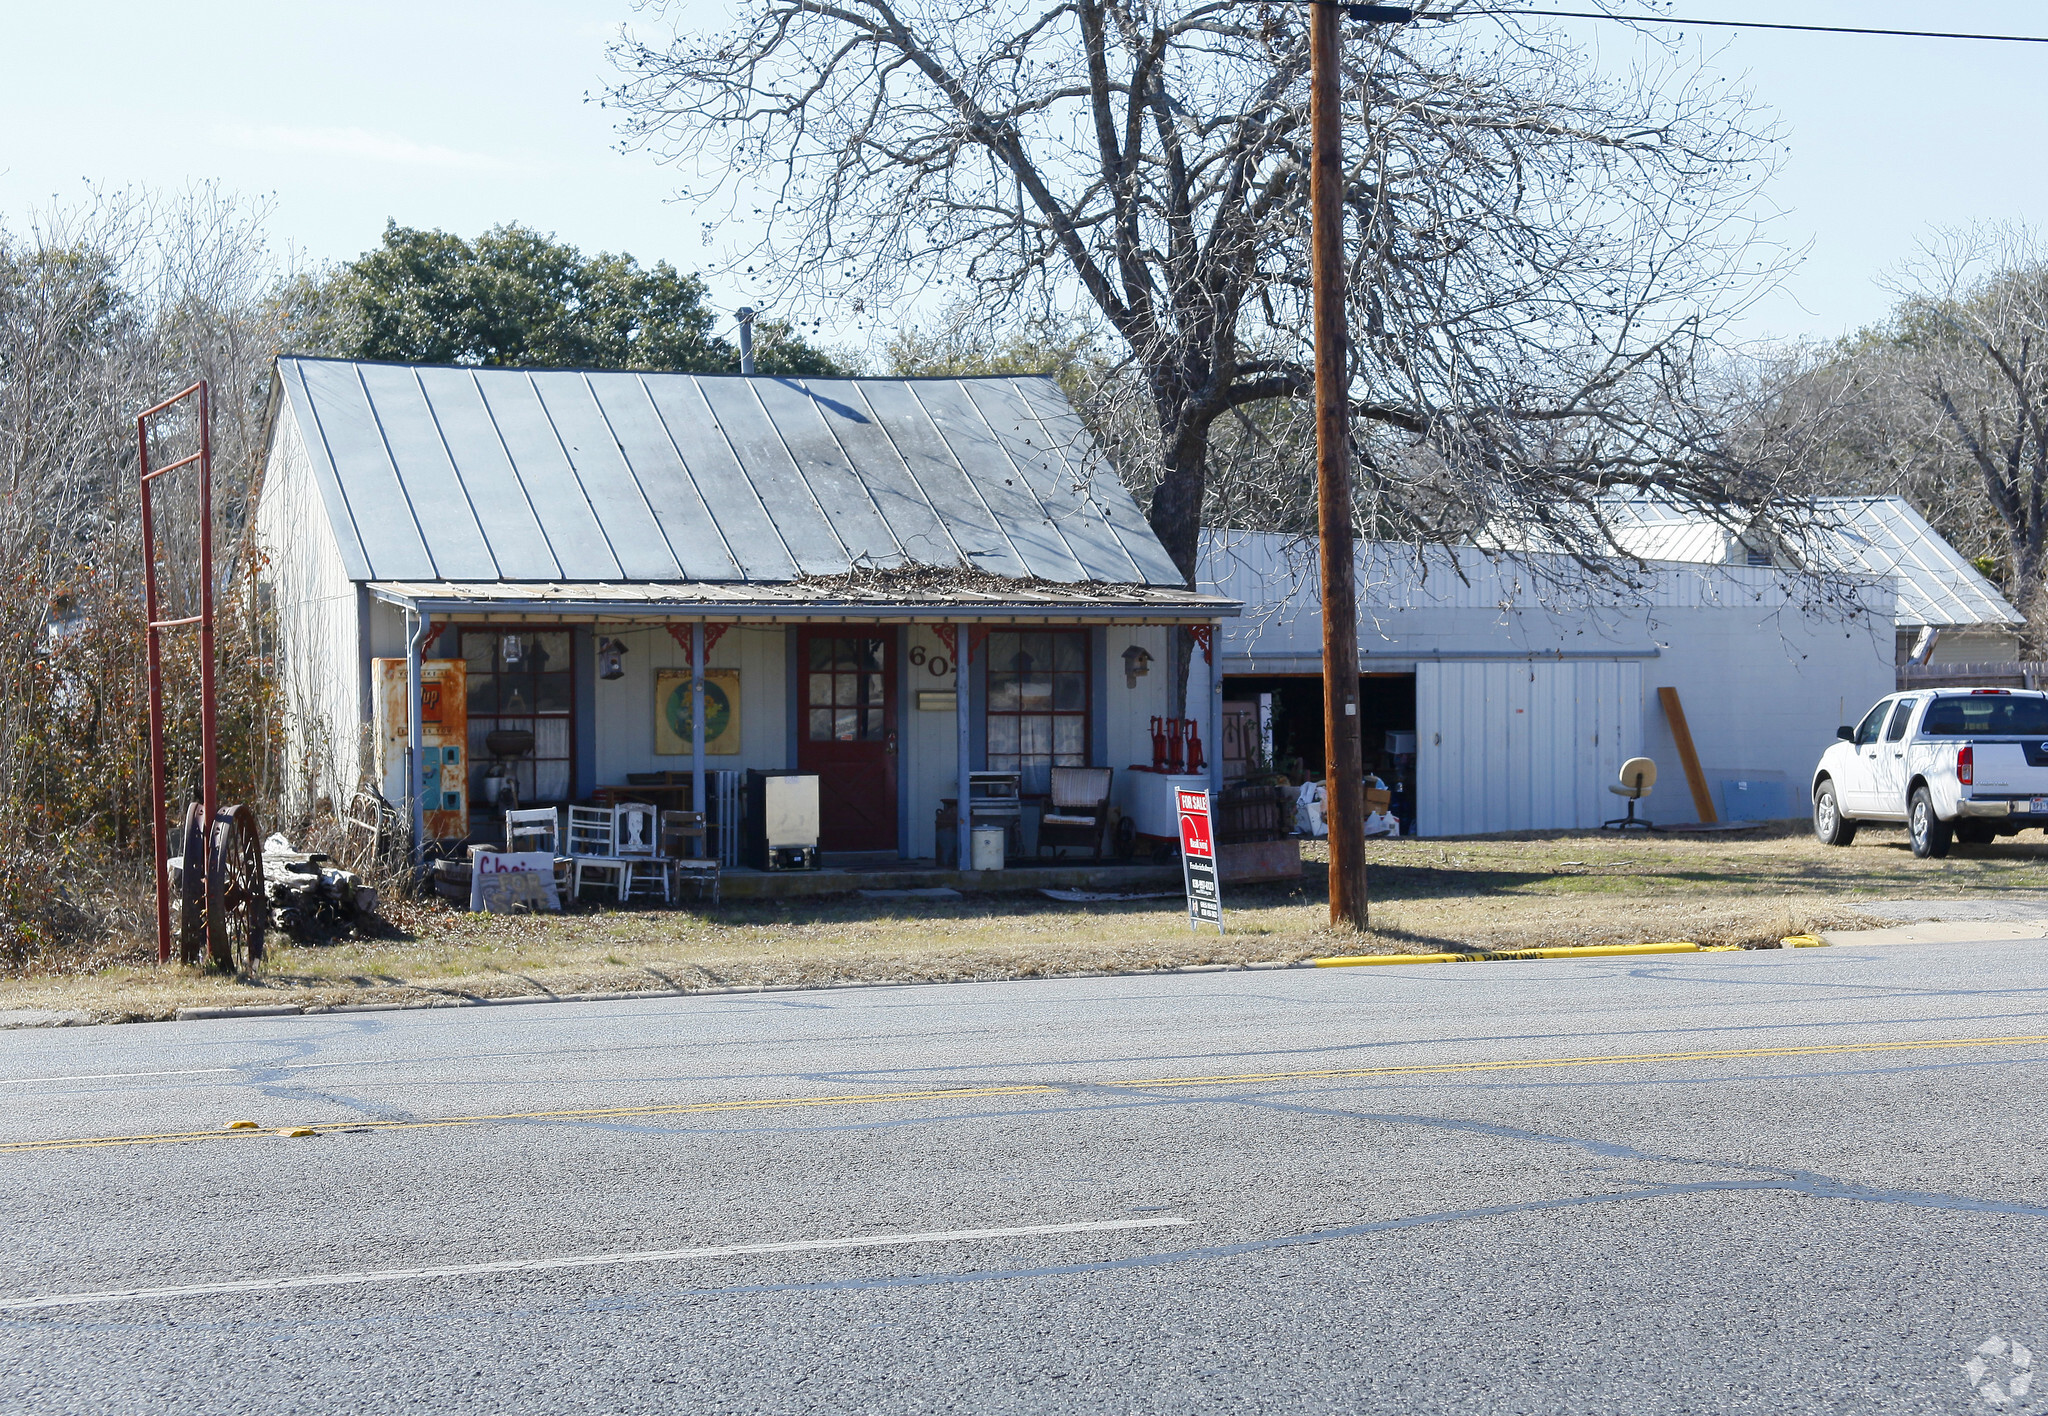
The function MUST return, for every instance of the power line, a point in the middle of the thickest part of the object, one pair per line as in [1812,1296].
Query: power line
[1755,24]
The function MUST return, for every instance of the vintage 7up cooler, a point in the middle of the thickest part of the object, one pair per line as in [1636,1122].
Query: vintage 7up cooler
[1198,859]
[444,742]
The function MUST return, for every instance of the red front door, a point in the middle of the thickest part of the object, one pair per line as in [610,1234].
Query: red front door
[847,733]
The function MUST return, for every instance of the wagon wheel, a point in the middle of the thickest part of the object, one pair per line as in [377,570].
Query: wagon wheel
[237,901]
[189,904]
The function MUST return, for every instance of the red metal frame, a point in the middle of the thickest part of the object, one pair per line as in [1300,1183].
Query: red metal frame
[209,783]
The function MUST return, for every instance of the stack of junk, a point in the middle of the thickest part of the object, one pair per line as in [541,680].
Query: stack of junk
[311,899]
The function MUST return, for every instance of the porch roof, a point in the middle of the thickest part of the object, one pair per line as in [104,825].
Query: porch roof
[794,602]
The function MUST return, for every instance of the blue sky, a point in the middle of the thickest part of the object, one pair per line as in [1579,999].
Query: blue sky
[462,114]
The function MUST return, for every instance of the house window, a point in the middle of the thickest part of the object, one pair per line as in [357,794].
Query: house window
[1037,703]
[522,681]
[847,698]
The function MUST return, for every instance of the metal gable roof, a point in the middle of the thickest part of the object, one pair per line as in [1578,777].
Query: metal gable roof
[1881,536]
[433,473]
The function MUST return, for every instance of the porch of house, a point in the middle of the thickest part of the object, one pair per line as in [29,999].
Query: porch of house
[616,698]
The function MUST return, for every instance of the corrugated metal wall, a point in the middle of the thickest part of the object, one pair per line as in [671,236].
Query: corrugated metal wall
[1520,745]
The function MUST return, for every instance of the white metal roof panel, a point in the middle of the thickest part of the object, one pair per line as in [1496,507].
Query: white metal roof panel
[504,515]
[1099,484]
[1861,535]
[343,425]
[430,472]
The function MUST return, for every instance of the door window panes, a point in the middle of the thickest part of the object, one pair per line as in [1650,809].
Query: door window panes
[844,697]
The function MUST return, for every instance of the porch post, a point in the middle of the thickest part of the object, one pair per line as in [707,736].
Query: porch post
[697,730]
[1216,705]
[963,827]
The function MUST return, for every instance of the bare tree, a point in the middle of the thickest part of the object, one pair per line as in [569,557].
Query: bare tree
[104,310]
[1945,404]
[1541,255]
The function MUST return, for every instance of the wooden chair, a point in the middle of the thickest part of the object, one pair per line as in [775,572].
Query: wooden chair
[1077,814]
[593,847]
[680,832]
[636,841]
[535,829]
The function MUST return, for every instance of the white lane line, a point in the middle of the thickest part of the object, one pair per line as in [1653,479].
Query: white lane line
[650,1256]
[111,1076]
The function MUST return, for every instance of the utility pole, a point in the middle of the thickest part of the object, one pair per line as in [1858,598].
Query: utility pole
[1345,807]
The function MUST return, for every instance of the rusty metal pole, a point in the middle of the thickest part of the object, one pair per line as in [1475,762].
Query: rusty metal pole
[1345,807]
[209,717]
[159,848]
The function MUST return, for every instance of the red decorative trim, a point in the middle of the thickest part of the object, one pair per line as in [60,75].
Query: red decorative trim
[433,633]
[712,634]
[977,635]
[1205,635]
[949,635]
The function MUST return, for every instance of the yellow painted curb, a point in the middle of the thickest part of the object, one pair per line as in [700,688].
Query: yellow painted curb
[1804,941]
[1586,951]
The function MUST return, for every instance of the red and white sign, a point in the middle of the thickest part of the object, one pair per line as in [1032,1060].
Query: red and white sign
[1198,859]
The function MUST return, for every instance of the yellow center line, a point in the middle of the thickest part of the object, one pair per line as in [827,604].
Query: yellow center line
[605,1113]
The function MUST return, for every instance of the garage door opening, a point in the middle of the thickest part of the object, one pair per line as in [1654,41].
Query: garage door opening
[1288,709]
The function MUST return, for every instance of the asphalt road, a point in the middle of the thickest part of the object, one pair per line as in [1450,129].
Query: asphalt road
[1706,1183]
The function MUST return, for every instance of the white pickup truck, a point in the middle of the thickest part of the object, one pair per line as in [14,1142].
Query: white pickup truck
[1966,764]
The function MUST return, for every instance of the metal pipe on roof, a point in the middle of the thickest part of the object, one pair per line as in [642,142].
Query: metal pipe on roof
[747,340]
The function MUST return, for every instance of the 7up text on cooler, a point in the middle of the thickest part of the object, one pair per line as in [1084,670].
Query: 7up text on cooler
[1198,860]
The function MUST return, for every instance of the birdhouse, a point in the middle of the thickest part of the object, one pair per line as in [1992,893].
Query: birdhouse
[1137,663]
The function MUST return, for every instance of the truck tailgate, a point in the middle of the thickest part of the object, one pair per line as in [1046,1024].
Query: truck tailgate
[2013,768]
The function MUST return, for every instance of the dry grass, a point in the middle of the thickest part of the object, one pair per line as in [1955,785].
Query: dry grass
[1428,896]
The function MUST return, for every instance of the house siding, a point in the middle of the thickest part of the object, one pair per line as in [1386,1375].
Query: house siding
[318,614]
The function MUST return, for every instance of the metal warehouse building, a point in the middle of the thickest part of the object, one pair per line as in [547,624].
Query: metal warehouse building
[1523,704]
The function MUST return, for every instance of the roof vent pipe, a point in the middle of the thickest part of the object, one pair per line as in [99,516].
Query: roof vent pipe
[747,340]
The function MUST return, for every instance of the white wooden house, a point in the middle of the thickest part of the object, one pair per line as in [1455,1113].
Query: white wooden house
[827,551]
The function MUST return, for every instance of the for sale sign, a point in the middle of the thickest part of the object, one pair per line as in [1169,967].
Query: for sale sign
[1198,860]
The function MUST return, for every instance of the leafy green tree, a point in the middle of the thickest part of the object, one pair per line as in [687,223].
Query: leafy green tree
[515,296]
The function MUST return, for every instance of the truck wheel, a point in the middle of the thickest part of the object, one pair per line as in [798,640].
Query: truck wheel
[1931,835]
[1976,834]
[1833,828]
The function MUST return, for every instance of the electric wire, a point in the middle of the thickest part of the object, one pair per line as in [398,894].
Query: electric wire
[1748,24]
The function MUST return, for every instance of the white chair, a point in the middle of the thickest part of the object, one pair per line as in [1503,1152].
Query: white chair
[1638,775]
[590,831]
[592,845]
[536,829]
[636,844]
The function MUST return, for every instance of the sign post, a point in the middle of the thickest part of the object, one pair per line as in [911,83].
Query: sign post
[1198,859]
